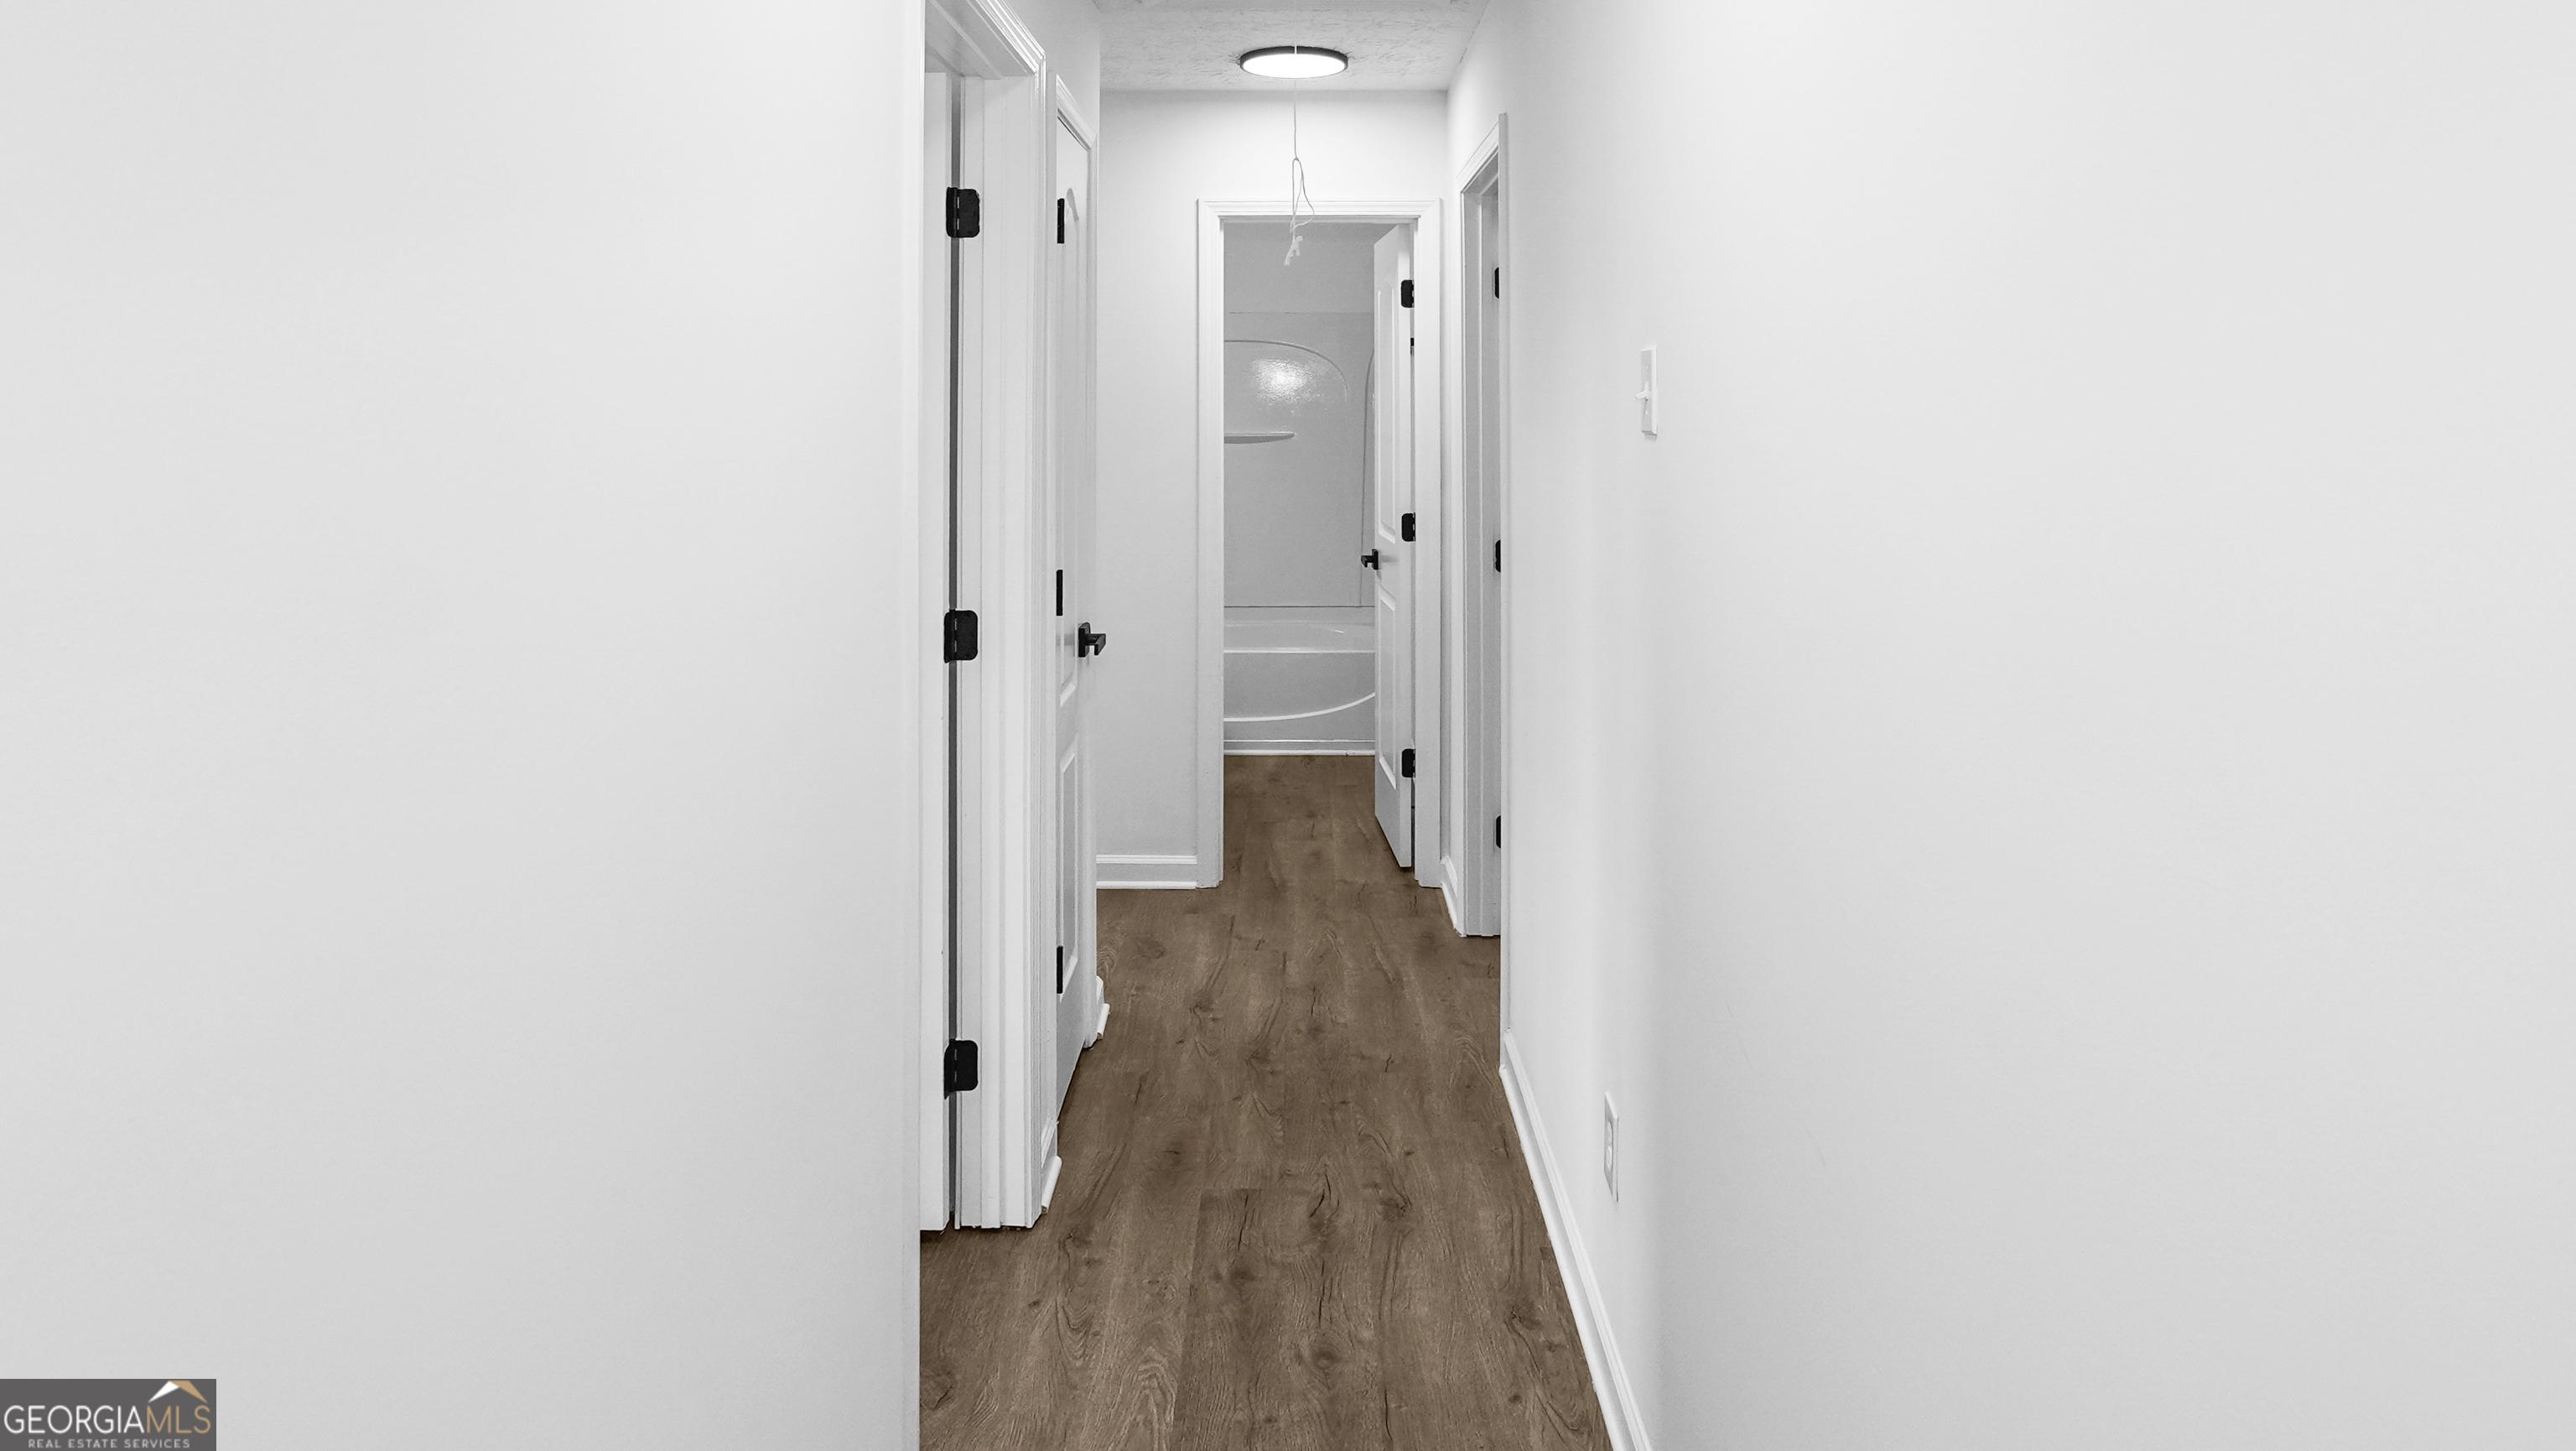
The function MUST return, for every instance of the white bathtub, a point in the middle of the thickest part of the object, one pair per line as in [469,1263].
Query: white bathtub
[1300,682]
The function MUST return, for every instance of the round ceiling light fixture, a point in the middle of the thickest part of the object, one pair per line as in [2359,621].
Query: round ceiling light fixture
[1294,62]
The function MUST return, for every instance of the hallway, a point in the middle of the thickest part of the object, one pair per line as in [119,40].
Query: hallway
[1293,1211]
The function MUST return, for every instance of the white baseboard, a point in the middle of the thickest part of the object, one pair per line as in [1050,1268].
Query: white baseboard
[1299,748]
[1452,896]
[1132,873]
[1591,1318]
[1101,1027]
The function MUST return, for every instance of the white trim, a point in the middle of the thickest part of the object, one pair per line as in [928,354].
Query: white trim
[1207,755]
[1430,443]
[1100,1029]
[1618,1401]
[1478,769]
[1295,748]
[925,518]
[1450,894]
[1070,112]
[1047,1180]
[981,38]
[1135,873]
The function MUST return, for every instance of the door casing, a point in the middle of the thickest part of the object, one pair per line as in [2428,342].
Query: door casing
[1476,620]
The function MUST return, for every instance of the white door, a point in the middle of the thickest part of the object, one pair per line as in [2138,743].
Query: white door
[1078,637]
[1390,554]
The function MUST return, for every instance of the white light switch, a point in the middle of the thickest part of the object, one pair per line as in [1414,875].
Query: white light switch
[1646,392]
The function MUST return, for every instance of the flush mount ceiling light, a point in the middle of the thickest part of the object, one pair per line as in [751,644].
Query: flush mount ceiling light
[1294,62]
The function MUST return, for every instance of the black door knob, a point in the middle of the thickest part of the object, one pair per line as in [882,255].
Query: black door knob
[1087,641]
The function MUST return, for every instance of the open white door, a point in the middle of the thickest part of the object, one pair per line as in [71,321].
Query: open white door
[1390,552]
[1078,1000]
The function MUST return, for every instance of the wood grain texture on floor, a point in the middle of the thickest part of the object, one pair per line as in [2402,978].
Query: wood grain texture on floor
[1293,1212]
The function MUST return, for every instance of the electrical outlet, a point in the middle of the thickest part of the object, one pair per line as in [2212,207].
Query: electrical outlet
[1610,1144]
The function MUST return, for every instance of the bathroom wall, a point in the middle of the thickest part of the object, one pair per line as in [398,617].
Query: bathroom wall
[1335,270]
[1299,337]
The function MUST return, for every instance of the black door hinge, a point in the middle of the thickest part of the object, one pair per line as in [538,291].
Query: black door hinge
[1059,969]
[1059,227]
[1498,282]
[958,636]
[1498,831]
[957,1067]
[1404,293]
[1408,763]
[965,212]
[1498,556]
[1059,594]
[1405,528]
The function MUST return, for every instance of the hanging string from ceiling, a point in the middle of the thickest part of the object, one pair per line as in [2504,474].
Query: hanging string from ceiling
[1296,176]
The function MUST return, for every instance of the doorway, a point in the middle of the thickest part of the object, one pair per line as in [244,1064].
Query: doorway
[1011,994]
[1302,366]
[1320,588]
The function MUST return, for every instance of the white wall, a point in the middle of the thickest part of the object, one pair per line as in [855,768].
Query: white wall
[1297,509]
[2071,884]
[1335,270]
[452,892]
[1069,32]
[1162,153]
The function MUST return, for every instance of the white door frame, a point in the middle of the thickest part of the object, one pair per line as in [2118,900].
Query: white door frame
[926,517]
[1425,219]
[999,1136]
[1478,622]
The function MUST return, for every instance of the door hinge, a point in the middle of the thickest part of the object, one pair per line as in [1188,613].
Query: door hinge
[1059,230]
[1408,345]
[1498,556]
[1408,763]
[957,1066]
[958,636]
[1059,594]
[1404,293]
[965,212]
[1405,528]
[1498,831]
[1059,969]
[1498,282]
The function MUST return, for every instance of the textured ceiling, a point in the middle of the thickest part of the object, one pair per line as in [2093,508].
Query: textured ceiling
[1191,45]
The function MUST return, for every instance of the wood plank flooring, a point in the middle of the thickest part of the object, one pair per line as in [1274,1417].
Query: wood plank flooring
[1293,1212]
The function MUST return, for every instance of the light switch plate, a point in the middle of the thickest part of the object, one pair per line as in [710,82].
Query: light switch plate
[1610,1144]
[1646,392]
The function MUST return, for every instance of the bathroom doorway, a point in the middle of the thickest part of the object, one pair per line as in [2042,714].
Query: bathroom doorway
[1301,369]
[1319,487]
